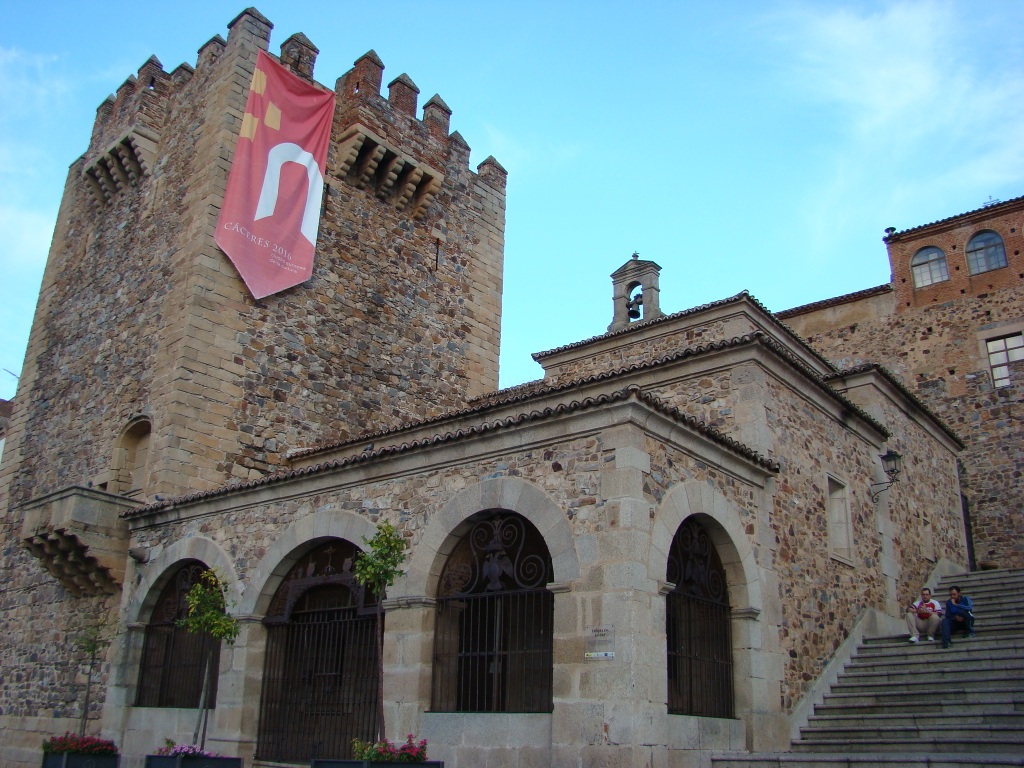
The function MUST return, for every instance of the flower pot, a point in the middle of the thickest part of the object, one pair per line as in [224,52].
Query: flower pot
[367,764]
[191,761]
[78,760]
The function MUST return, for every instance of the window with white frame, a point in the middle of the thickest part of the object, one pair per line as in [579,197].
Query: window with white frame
[840,524]
[985,252]
[929,266]
[1002,352]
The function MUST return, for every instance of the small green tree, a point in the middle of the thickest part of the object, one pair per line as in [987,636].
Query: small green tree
[376,569]
[206,613]
[91,640]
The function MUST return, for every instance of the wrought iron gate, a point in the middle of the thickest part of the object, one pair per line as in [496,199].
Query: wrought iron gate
[494,621]
[698,627]
[174,659]
[320,683]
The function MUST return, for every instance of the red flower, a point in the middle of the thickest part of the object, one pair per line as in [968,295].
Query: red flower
[83,745]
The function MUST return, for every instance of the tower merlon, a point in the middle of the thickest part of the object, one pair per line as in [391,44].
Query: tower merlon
[210,51]
[250,22]
[493,172]
[365,77]
[403,93]
[299,54]
[437,115]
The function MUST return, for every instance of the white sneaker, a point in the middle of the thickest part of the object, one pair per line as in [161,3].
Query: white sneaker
[913,638]
[931,638]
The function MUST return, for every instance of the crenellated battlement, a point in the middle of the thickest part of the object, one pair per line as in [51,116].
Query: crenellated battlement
[393,119]
[379,144]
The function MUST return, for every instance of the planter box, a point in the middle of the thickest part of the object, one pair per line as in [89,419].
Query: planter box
[368,764]
[191,761]
[78,760]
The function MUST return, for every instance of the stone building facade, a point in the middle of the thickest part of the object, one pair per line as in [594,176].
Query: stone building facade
[949,327]
[664,547]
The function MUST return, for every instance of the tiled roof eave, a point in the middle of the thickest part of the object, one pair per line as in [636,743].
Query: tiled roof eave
[988,210]
[514,421]
[835,301]
[897,384]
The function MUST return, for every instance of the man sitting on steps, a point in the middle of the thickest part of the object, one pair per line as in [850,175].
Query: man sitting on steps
[924,616]
[959,615]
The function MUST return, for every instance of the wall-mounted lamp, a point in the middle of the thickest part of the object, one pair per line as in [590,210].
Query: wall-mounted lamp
[892,464]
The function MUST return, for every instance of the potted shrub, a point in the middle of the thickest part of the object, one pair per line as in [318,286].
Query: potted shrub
[376,569]
[173,755]
[383,753]
[74,751]
[207,613]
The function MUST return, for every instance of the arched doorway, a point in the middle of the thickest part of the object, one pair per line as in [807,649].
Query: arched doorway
[698,627]
[494,622]
[174,659]
[319,686]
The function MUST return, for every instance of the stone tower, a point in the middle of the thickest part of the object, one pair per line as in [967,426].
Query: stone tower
[150,369]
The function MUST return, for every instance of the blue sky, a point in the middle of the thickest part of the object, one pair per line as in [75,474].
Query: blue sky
[741,145]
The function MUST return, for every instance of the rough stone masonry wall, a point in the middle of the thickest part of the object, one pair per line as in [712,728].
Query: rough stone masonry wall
[143,314]
[934,352]
[643,350]
[140,313]
[822,597]
[574,474]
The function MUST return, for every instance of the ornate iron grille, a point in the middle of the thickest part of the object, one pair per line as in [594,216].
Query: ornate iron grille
[493,626]
[319,675]
[173,660]
[698,627]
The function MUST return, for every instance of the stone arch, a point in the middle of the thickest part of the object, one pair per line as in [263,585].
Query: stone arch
[161,568]
[129,467]
[446,527]
[722,522]
[293,543]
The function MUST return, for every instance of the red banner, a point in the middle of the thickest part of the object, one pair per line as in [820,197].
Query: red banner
[271,213]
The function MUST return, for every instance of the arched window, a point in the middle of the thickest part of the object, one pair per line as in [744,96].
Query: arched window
[173,659]
[698,627]
[493,630]
[319,672]
[131,459]
[929,266]
[985,252]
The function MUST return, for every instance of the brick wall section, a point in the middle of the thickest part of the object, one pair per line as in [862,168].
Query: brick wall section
[952,237]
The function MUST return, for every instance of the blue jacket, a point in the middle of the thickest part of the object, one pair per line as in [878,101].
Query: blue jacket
[964,608]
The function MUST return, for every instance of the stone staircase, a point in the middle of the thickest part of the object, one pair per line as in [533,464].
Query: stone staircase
[897,704]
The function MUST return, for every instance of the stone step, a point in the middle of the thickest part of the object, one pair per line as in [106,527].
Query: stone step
[922,685]
[992,741]
[864,760]
[1010,626]
[900,645]
[882,730]
[977,651]
[966,719]
[902,696]
[970,673]
[980,701]
[1001,576]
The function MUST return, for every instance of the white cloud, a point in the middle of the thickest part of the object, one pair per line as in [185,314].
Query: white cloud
[26,236]
[918,102]
[29,83]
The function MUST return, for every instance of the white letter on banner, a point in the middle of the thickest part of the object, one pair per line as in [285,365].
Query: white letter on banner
[277,157]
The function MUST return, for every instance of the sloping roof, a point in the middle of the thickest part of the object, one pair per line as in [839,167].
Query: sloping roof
[891,378]
[742,295]
[509,422]
[846,298]
[988,209]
